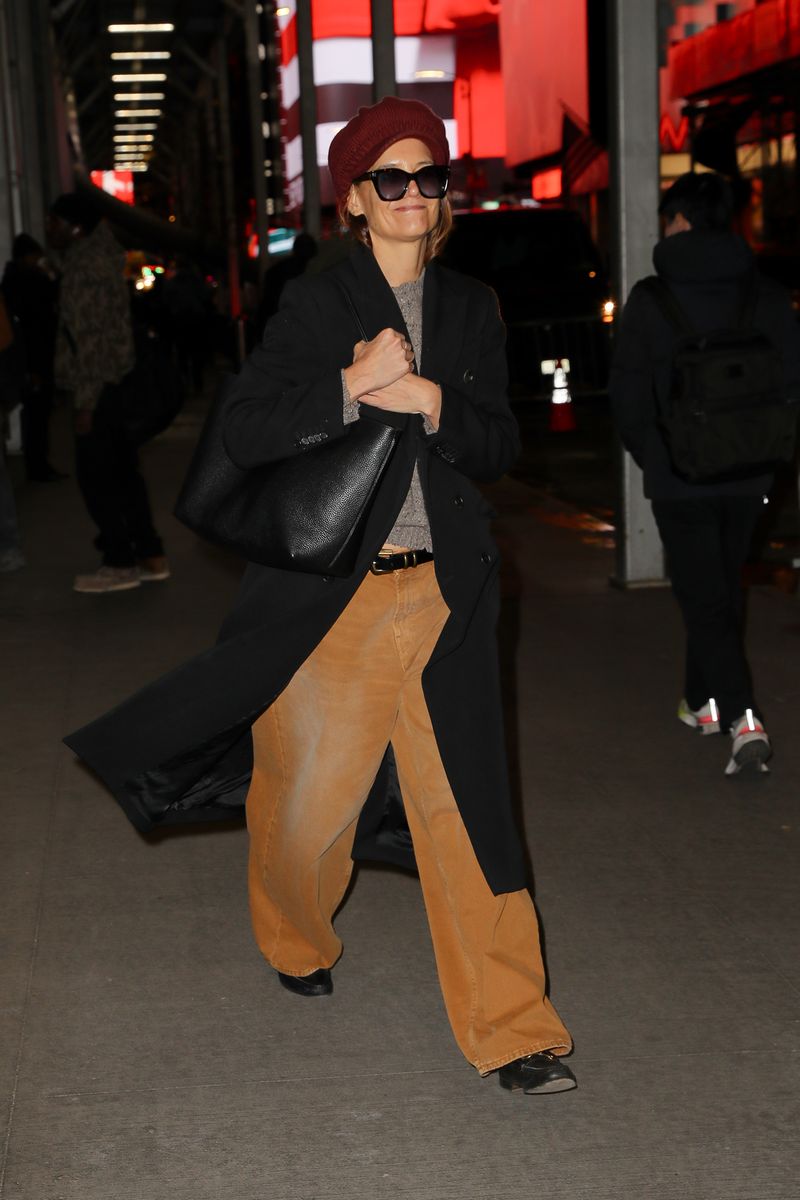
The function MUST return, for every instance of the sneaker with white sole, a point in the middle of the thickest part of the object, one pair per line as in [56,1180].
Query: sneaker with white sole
[154,570]
[751,745]
[705,720]
[108,579]
[11,560]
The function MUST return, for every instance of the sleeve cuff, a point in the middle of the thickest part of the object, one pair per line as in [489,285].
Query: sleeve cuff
[349,406]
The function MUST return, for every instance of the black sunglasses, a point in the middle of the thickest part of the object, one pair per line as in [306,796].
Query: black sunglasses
[391,183]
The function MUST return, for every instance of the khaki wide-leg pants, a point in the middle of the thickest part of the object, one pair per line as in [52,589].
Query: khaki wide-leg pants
[317,751]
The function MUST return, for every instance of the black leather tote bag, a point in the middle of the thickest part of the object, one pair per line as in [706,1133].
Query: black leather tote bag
[304,513]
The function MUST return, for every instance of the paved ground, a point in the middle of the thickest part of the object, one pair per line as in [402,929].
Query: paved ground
[147,1053]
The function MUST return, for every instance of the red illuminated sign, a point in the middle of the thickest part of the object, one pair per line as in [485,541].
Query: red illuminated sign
[673,139]
[547,184]
[117,183]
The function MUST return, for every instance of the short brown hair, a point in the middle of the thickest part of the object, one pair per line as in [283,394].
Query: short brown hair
[357,227]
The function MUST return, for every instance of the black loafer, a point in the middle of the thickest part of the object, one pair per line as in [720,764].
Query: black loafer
[536,1073]
[318,983]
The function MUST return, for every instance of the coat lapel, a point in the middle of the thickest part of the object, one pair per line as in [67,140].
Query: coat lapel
[444,310]
[371,294]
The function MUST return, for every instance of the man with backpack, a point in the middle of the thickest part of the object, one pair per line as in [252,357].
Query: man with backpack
[704,385]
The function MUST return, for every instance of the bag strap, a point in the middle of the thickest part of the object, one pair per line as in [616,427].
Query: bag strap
[749,300]
[668,304]
[353,310]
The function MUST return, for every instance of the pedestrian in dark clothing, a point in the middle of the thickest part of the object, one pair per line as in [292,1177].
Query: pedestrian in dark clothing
[706,528]
[94,353]
[187,303]
[304,249]
[11,556]
[31,295]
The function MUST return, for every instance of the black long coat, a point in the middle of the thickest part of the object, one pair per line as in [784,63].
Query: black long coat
[180,748]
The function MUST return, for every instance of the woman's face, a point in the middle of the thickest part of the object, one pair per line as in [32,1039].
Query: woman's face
[407,220]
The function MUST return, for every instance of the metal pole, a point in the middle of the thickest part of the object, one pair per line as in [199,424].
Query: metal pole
[633,152]
[312,219]
[384,80]
[229,203]
[254,47]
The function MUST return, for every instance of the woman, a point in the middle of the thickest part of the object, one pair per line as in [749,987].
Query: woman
[329,672]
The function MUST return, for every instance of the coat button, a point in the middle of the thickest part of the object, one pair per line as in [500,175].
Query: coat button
[486,557]
[458,501]
[468,376]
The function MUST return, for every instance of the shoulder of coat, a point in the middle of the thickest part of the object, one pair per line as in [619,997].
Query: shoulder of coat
[464,285]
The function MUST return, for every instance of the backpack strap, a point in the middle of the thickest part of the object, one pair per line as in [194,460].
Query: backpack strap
[748,300]
[667,303]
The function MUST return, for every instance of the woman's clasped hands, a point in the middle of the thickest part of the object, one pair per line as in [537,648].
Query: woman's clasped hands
[382,375]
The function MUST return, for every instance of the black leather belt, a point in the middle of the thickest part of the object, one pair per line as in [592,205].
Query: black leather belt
[386,563]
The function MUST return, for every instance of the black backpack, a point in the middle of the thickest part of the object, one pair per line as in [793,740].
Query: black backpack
[727,415]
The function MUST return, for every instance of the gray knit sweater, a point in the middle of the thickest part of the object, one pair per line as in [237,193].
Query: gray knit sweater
[412,528]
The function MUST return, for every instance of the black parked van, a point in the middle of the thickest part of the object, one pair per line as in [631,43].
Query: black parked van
[552,288]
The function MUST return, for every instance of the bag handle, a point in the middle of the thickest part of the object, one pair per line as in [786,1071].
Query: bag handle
[354,311]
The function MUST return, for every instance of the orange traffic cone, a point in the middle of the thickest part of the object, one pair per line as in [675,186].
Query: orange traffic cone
[562,417]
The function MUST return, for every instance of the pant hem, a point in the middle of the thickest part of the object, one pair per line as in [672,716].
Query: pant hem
[302,973]
[560,1049]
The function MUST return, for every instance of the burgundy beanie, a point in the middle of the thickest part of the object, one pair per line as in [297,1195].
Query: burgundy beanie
[374,129]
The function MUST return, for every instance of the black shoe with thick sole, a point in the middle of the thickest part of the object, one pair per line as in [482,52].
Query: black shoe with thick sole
[318,983]
[537,1073]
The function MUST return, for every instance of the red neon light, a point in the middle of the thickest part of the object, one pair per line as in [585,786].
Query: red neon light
[117,183]
[547,184]
[478,98]
[671,138]
[351,18]
[289,42]
[543,48]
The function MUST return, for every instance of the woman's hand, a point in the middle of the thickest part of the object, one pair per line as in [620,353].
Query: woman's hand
[411,394]
[376,364]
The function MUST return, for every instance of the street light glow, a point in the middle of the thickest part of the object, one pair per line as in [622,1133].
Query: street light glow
[143,27]
[131,55]
[137,78]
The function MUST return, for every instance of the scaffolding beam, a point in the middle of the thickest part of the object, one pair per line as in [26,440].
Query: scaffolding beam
[384,79]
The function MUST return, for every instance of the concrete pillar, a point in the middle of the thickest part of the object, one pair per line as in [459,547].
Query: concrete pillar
[634,152]
[29,106]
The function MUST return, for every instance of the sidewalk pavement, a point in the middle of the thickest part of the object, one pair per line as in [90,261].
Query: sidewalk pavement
[147,1053]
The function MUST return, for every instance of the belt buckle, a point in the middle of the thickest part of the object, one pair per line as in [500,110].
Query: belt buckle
[376,569]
